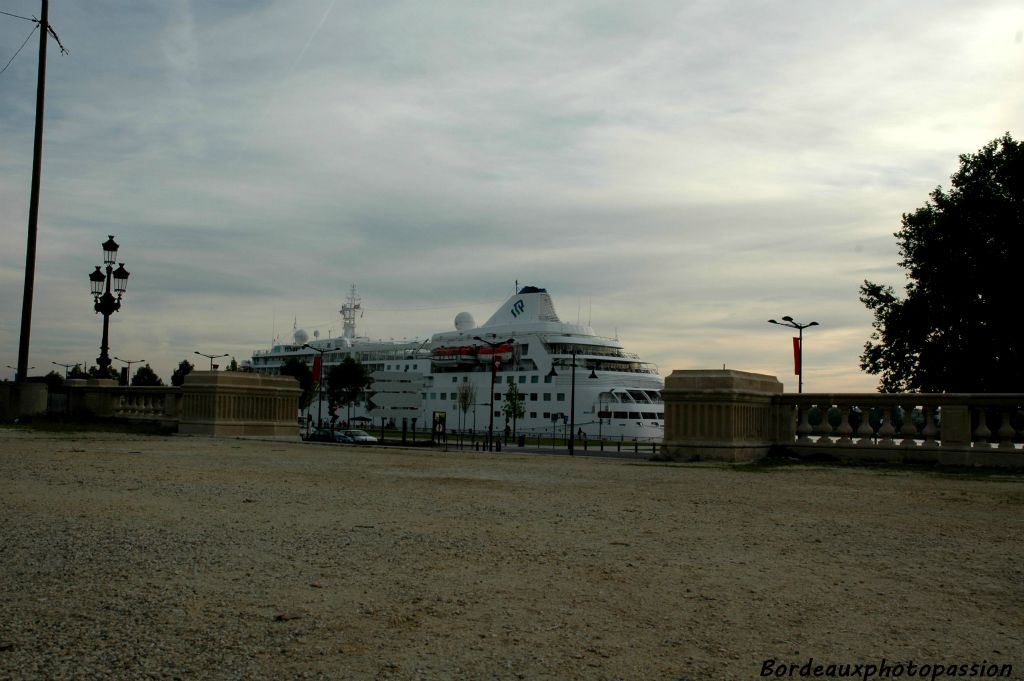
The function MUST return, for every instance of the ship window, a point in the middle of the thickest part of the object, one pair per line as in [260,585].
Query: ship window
[433,396]
[634,415]
[547,379]
[534,379]
[533,414]
[604,414]
[547,414]
[621,415]
[522,379]
[497,397]
[444,396]
[533,397]
[650,415]
[511,380]
[524,349]
[547,397]
[455,379]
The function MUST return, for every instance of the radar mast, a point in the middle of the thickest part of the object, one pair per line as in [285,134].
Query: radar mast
[348,313]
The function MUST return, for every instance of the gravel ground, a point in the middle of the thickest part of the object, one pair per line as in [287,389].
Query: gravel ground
[134,557]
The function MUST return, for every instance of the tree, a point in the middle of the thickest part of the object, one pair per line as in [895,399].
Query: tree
[111,373]
[347,380]
[233,366]
[513,406]
[145,376]
[301,372]
[53,380]
[466,398]
[954,330]
[184,369]
[77,372]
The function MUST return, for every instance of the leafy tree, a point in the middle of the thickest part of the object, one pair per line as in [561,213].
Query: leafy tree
[233,366]
[53,380]
[145,376]
[77,372]
[466,398]
[299,370]
[345,381]
[184,369]
[513,407]
[954,331]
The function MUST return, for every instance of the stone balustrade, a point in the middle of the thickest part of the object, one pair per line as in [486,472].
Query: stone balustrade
[225,403]
[945,428]
[738,416]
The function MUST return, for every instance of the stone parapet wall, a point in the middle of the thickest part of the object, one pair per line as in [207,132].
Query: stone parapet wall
[722,415]
[239,404]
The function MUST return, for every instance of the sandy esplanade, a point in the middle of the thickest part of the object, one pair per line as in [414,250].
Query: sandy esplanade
[177,557]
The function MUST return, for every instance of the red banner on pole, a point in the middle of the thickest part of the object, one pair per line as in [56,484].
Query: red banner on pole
[316,369]
[796,356]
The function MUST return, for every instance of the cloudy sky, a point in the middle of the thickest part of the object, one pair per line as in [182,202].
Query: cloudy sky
[675,173]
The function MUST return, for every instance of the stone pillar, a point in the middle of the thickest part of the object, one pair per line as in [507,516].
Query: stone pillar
[236,404]
[22,399]
[725,415]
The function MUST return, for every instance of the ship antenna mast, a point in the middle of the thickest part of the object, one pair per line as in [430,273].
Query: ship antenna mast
[348,313]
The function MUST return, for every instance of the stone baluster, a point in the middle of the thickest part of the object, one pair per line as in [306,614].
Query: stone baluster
[930,431]
[845,429]
[804,430]
[908,431]
[824,428]
[981,433]
[865,431]
[886,430]
[1006,431]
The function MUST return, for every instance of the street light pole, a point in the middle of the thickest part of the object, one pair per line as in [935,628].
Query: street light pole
[209,357]
[494,371]
[320,389]
[104,301]
[788,321]
[66,368]
[130,362]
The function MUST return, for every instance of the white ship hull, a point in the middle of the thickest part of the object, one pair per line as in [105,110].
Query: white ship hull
[608,394]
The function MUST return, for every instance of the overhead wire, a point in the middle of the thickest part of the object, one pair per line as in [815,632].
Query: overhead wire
[30,33]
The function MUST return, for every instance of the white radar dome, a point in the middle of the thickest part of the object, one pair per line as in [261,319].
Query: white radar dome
[464,322]
[301,337]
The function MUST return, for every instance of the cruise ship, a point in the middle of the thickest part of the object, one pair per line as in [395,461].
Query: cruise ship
[559,374]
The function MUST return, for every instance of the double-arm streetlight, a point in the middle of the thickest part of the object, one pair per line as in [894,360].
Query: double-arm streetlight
[494,371]
[209,357]
[67,367]
[572,400]
[18,378]
[788,321]
[130,362]
[104,301]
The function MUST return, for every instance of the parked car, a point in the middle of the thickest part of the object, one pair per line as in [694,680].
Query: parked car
[359,436]
[326,435]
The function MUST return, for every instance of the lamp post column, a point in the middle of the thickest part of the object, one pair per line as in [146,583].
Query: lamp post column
[572,407]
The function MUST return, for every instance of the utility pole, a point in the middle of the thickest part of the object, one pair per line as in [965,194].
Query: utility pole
[33,208]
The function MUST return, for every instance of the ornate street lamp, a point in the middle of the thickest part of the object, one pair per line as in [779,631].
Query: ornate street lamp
[104,301]
[788,321]
[494,370]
